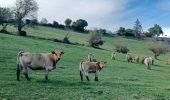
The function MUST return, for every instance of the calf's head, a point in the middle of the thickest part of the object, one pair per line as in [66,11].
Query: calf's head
[101,64]
[57,54]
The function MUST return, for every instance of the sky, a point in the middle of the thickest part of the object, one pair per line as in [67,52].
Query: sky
[108,14]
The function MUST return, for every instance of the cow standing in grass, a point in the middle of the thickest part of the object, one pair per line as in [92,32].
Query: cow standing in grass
[129,57]
[148,62]
[90,67]
[91,57]
[113,56]
[37,61]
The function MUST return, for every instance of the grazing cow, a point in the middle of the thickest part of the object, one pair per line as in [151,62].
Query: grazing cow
[136,58]
[129,57]
[153,60]
[37,61]
[113,55]
[148,62]
[141,59]
[91,57]
[168,61]
[90,67]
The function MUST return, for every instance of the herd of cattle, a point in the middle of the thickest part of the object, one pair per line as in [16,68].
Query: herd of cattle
[47,62]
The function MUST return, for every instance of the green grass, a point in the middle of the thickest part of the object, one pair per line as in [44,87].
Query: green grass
[118,80]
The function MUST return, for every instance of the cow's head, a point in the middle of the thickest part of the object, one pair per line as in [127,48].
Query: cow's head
[101,64]
[57,54]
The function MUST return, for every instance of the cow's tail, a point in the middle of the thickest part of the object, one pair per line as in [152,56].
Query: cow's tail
[18,69]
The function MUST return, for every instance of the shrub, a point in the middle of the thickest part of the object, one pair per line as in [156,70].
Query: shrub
[23,33]
[158,49]
[121,48]
[66,39]
[95,39]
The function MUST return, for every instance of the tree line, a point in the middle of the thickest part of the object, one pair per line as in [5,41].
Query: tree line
[138,32]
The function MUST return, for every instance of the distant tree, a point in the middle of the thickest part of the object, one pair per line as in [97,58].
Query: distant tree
[5,16]
[155,31]
[121,31]
[158,49]
[137,28]
[129,32]
[55,24]
[24,8]
[68,22]
[43,21]
[95,39]
[79,25]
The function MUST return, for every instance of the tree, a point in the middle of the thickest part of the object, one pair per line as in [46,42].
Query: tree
[155,31]
[43,21]
[67,22]
[95,39]
[55,24]
[79,25]
[158,49]
[24,8]
[5,16]
[129,32]
[137,28]
[121,31]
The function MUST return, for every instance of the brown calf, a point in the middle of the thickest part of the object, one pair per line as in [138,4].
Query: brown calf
[90,67]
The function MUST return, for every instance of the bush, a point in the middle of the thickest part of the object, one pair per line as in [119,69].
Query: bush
[66,39]
[121,48]
[158,49]
[94,39]
[23,33]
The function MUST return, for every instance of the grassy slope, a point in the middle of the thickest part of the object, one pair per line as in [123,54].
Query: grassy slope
[118,80]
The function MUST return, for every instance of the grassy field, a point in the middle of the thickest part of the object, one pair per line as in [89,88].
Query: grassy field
[118,80]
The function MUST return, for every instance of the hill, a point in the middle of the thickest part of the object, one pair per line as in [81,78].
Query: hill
[118,80]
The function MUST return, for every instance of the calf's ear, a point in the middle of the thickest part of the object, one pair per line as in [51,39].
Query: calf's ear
[52,52]
[62,52]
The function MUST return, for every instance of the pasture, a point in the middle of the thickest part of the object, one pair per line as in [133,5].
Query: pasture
[118,80]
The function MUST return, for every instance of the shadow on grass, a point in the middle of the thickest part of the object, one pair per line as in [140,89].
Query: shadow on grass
[89,85]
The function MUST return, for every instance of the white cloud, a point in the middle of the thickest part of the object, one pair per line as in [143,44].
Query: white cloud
[166,31]
[98,13]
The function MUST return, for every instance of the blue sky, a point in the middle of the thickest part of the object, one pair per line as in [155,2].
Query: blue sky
[109,14]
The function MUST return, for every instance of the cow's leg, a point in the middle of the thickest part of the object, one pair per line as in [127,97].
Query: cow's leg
[81,75]
[86,74]
[96,76]
[25,69]
[18,72]
[46,74]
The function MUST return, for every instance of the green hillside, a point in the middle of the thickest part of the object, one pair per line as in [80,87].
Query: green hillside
[118,80]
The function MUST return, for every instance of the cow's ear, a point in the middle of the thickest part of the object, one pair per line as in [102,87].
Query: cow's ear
[62,52]
[52,52]
[98,63]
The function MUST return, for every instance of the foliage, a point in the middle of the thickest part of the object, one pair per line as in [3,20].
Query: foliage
[5,16]
[68,22]
[158,49]
[24,8]
[43,21]
[129,32]
[66,39]
[155,31]
[55,24]
[137,28]
[95,39]
[121,31]
[79,25]
[121,48]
